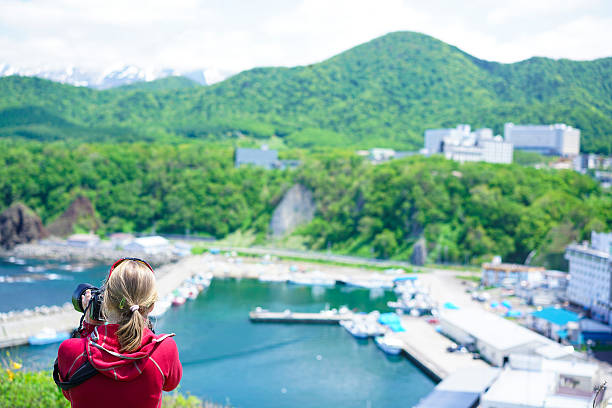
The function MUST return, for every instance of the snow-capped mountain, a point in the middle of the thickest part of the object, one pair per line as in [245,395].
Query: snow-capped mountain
[109,78]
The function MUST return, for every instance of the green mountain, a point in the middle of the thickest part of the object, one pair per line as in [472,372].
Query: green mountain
[162,84]
[382,93]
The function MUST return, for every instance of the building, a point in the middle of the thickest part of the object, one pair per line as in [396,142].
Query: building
[556,323]
[591,161]
[120,239]
[265,158]
[590,269]
[150,245]
[497,338]
[83,240]
[550,384]
[461,389]
[463,145]
[557,139]
[504,274]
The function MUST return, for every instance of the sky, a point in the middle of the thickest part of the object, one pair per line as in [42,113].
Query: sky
[228,36]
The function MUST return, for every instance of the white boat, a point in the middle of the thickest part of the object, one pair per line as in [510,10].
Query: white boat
[202,280]
[178,301]
[357,330]
[188,291]
[312,279]
[389,344]
[48,336]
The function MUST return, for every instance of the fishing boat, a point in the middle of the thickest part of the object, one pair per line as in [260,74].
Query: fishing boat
[48,336]
[389,344]
[188,291]
[178,301]
[357,330]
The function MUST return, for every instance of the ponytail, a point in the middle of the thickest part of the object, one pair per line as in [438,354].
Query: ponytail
[130,331]
[130,292]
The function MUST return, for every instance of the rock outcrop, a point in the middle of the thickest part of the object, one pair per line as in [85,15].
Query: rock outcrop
[80,215]
[296,208]
[20,225]
[419,253]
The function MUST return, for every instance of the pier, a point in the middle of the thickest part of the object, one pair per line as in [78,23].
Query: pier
[289,317]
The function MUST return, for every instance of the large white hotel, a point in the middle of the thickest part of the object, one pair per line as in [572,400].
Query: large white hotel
[558,139]
[463,145]
[590,269]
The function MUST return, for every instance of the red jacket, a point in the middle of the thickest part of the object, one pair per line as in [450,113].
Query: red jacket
[135,379]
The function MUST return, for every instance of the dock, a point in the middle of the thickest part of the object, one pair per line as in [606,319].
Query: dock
[290,317]
[427,349]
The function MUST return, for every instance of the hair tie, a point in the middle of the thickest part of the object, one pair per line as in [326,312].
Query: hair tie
[134,308]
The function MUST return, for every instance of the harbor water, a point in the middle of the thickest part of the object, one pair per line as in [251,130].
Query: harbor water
[228,359]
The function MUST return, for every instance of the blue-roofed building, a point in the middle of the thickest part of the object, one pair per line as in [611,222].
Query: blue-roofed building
[557,324]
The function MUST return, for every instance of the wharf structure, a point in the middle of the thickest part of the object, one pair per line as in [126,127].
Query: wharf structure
[463,145]
[558,139]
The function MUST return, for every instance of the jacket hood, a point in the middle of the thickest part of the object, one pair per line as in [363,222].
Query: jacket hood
[104,352]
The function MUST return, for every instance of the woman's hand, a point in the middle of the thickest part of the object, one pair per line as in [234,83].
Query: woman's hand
[85,299]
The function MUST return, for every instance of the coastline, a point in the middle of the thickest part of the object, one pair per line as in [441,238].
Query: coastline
[98,254]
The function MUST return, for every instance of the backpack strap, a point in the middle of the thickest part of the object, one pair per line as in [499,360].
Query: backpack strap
[82,374]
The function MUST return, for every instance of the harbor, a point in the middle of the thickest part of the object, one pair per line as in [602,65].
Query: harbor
[435,324]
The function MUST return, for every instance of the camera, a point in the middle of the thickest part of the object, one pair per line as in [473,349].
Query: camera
[95,304]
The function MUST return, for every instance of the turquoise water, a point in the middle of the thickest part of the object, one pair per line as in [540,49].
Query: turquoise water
[228,359]
[47,284]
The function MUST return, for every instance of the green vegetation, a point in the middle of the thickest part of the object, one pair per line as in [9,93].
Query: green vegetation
[29,389]
[466,212]
[382,93]
[20,388]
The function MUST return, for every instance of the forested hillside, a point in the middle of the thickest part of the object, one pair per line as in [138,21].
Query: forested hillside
[382,93]
[466,212]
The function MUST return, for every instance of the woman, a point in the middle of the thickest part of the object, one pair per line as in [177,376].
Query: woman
[132,364]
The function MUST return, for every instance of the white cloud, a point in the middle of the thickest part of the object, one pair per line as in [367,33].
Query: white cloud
[231,35]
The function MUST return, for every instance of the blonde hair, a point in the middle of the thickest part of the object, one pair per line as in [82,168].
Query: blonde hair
[131,283]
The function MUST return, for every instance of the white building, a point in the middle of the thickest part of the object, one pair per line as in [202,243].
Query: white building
[463,145]
[497,338]
[539,389]
[557,139]
[590,269]
[83,240]
[150,245]
[504,274]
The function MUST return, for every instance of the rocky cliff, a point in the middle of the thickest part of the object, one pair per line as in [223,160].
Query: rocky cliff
[19,225]
[297,207]
[80,215]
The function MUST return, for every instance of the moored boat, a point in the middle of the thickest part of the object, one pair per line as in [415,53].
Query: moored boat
[389,344]
[178,301]
[357,330]
[48,336]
